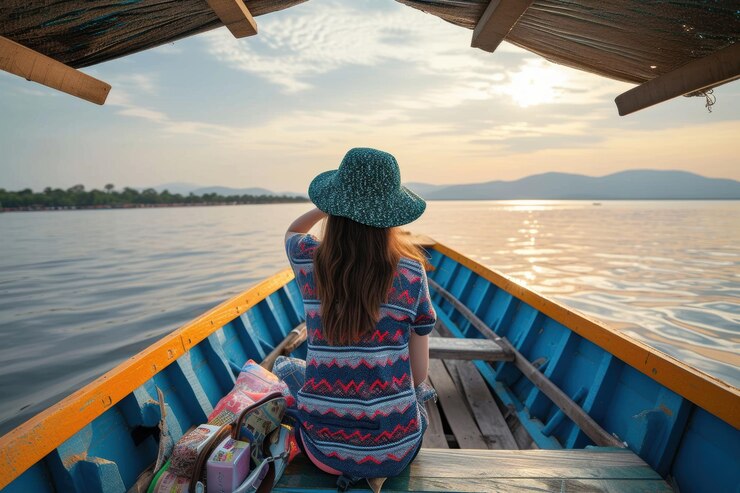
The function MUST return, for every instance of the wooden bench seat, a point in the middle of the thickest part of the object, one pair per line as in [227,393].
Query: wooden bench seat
[467,349]
[433,470]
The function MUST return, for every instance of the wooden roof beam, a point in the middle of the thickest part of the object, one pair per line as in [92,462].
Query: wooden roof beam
[701,74]
[235,16]
[497,21]
[32,65]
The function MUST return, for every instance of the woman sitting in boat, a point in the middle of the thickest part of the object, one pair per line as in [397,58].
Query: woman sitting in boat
[368,317]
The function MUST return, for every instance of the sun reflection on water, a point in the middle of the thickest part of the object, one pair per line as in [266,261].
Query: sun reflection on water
[529,205]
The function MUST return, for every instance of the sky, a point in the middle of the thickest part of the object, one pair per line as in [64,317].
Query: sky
[274,110]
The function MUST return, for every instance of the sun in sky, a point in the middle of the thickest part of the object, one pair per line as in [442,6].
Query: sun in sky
[534,83]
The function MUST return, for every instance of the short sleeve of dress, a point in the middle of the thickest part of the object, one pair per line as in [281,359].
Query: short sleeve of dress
[426,317]
[300,248]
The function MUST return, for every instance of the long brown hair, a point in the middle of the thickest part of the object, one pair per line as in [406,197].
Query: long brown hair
[353,268]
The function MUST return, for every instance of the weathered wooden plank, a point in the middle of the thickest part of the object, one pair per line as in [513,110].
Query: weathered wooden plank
[718,68]
[585,422]
[497,21]
[564,464]
[528,485]
[583,470]
[513,419]
[481,403]
[33,66]
[434,436]
[327,484]
[235,16]
[524,440]
[467,349]
[461,422]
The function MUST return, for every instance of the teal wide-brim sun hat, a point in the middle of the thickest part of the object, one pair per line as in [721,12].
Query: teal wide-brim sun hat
[367,189]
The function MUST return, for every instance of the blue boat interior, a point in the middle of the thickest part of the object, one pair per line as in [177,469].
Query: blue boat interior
[683,443]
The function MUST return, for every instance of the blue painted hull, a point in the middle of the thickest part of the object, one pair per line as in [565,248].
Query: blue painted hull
[684,443]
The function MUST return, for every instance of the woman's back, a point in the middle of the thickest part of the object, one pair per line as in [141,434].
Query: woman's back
[358,406]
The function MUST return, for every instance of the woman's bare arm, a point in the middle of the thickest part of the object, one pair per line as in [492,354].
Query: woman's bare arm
[305,222]
[419,354]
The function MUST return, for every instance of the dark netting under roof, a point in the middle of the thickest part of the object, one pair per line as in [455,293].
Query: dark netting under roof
[85,32]
[621,39]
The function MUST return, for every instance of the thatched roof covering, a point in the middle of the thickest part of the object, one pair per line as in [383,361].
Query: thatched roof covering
[80,33]
[674,47]
[621,39]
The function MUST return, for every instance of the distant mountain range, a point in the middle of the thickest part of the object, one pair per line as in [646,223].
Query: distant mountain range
[639,184]
[625,185]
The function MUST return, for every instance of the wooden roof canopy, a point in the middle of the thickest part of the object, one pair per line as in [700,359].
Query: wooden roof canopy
[669,47]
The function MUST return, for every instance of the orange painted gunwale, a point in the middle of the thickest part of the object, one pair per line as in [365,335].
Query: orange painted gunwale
[30,442]
[707,392]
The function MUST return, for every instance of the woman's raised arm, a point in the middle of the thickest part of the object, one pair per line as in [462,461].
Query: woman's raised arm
[305,222]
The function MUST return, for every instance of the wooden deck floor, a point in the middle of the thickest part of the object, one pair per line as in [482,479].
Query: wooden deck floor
[586,470]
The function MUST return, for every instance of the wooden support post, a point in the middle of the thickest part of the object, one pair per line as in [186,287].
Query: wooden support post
[497,21]
[704,73]
[585,422]
[33,66]
[235,16]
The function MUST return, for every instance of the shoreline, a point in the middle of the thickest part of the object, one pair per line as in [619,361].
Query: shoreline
[141,206]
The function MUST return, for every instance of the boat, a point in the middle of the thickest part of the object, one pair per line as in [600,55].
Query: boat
[586,407]
[557,401]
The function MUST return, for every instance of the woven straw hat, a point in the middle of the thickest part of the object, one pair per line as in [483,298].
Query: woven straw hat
[366,188]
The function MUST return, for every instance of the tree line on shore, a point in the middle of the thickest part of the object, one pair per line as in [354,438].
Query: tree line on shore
[77,197]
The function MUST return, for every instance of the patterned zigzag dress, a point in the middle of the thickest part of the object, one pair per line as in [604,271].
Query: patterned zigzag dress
[358,407]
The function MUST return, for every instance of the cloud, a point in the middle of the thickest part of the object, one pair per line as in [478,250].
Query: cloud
[146,114]
[125,87]
[293,49]
[130,89]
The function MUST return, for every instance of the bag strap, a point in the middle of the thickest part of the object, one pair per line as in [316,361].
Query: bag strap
[269,482]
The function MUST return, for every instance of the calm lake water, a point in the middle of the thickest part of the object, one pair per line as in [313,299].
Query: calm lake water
[81,291]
